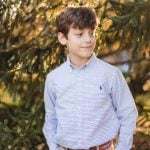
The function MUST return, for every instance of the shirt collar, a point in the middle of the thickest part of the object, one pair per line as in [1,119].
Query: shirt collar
[86,65]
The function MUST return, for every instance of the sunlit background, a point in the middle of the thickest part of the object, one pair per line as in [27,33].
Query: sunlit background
[29,50]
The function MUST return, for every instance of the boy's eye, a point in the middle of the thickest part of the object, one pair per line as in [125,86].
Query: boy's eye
[79,34]
[92,33]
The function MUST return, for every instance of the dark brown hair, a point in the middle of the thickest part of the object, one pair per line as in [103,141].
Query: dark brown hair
[75,17]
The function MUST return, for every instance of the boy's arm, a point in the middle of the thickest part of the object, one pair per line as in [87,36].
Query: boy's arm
[126,111]
[50,124]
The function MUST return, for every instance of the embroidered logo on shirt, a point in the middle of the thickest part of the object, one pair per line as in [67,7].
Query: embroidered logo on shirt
[102,89]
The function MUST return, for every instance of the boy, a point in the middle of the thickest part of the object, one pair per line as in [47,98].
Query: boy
[87,101]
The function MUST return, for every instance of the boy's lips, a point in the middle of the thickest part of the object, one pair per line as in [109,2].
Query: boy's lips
[87,46]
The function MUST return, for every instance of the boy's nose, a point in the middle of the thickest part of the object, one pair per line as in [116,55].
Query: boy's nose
[87,38]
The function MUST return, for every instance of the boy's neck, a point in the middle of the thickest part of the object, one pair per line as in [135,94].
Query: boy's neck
[78,62]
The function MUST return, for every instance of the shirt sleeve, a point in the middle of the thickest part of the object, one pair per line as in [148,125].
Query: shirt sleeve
[50,123]
[126,111]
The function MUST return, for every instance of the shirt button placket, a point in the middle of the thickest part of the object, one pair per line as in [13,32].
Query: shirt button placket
[80,106]
[83,104]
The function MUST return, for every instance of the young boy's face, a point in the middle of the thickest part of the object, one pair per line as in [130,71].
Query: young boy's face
[80,43]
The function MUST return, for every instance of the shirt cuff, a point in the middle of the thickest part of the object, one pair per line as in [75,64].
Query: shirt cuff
[53,146]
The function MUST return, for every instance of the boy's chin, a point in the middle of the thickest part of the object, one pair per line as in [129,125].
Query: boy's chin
[85,57]
[87,54]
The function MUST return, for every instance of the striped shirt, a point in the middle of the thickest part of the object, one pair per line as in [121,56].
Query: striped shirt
[88,106]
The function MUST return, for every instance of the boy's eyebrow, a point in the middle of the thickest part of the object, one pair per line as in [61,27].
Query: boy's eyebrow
[77,29]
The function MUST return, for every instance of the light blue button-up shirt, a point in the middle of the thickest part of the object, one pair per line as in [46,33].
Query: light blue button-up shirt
[88,106]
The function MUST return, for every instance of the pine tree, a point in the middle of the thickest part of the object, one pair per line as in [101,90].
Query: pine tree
[29,50]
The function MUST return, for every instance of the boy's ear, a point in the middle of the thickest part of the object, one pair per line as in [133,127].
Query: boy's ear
[61,38]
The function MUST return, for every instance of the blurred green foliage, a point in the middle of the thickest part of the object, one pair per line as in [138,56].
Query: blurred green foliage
[20,129]
[29,50]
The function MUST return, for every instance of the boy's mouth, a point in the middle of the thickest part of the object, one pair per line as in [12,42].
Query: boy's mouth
[87,46]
